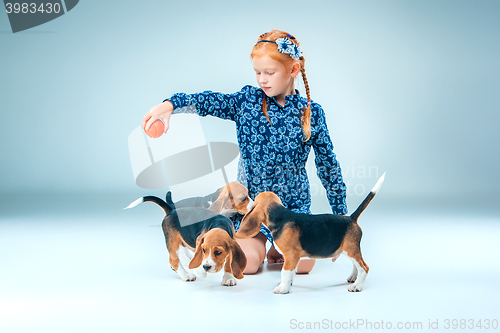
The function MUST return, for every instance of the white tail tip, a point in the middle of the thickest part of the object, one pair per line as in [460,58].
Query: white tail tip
[135,203]
[378,185]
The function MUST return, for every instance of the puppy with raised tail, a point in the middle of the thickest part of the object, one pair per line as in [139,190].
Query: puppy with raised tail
[211,234]
[314,236]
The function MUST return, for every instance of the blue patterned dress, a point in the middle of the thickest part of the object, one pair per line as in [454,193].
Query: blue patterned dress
[273,155]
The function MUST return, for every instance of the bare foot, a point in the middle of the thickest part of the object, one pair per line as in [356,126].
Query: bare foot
[273,256]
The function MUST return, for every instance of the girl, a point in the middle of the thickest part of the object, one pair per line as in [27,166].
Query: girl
[276,129]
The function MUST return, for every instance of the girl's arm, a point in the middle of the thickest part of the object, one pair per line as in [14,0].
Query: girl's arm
[327,166]
[206,103]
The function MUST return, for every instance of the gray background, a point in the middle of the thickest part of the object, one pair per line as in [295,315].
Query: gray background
[409,87]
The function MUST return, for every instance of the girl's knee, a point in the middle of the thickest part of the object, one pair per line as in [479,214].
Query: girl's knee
[254,262]
[255,252]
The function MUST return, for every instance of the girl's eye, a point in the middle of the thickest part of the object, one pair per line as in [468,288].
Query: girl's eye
[270,73]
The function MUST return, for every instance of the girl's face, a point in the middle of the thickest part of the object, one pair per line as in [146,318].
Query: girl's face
[273,77]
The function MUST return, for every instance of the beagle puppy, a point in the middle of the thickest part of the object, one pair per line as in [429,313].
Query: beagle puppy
[228,200]
[314,236]
[211,234]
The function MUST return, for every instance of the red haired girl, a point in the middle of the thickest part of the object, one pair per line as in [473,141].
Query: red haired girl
[276,128]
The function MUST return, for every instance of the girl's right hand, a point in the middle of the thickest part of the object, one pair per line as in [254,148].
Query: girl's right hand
[273,256]
[163,111]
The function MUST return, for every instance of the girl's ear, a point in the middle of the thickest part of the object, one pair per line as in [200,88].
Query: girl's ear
[295,69]
[238,260]
[198,255]
[251,222]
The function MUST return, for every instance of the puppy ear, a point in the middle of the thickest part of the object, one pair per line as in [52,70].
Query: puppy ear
[216,206]
[198,255]
[251,222]
[218,203]
[238,260]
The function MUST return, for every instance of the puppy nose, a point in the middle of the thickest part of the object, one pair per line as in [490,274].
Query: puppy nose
[206,267]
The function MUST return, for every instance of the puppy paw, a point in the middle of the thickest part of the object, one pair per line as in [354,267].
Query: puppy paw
[187,277]
[352,278]
[282,290]
[190,278]
[354,288]
[229,282]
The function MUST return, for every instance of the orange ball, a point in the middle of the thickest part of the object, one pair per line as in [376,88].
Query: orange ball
[156,129]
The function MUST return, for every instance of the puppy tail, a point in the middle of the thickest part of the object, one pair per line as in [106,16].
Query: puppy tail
[168,200]
[166,208]
[368,199]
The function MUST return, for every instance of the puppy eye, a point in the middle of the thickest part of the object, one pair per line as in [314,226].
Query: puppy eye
[217,253]
[203,250]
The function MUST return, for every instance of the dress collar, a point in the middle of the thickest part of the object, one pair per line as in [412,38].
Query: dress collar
[294,99]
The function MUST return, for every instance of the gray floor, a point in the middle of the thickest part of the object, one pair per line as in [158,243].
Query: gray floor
[81,264]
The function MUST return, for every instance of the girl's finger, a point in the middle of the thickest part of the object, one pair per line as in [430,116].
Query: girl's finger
[150,122]
[145,119]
